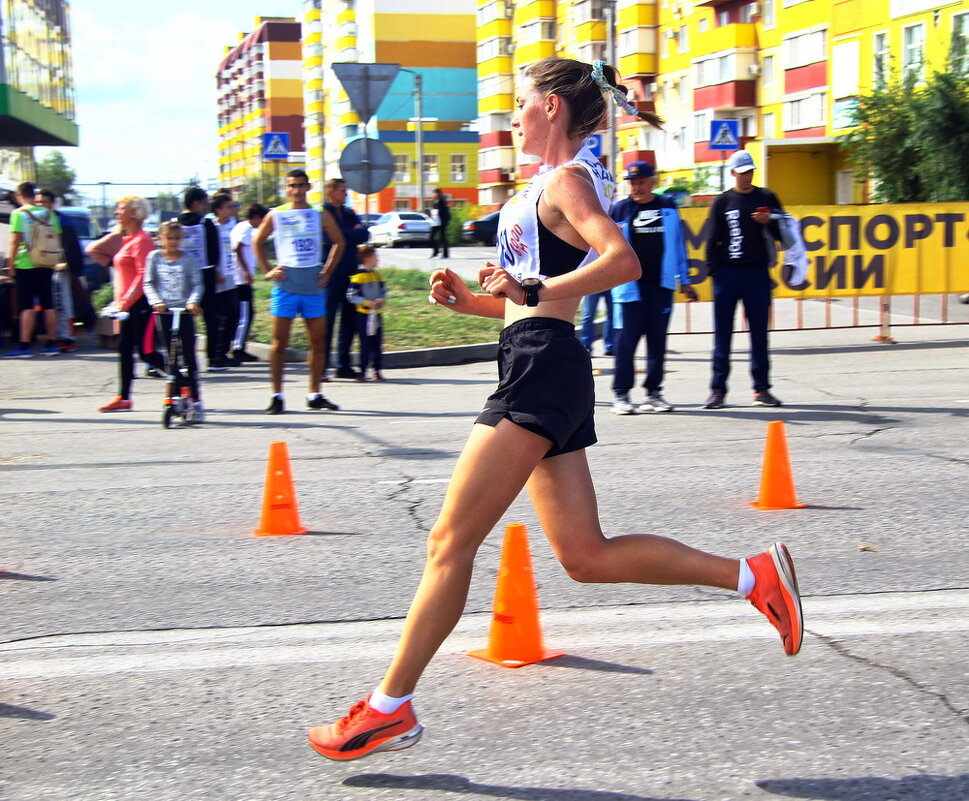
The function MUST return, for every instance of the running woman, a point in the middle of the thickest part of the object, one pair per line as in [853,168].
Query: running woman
[556,244]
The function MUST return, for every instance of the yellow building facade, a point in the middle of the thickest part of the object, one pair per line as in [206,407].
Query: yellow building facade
[260,91]
[788,72]
[428,40]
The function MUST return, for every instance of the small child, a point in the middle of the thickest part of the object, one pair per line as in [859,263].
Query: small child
[173,279]
[367,292]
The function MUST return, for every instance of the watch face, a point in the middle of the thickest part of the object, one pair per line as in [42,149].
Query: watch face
[531,282]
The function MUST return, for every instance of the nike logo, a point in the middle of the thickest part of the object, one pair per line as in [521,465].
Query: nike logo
[360,740]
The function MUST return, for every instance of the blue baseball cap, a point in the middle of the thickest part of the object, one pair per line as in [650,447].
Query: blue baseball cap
[741,161]
[640,169]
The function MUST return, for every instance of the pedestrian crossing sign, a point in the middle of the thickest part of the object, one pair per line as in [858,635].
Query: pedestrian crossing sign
[275,145]
[724,135]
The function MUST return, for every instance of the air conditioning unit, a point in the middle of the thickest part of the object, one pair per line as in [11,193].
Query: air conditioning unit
[507,9]
[754,69]
[653,89]
[671,33]
[507,48]
[754,9]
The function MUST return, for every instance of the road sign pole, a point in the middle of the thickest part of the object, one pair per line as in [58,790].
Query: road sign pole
[723,171]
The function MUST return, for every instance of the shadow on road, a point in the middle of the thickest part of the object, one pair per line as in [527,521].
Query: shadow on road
[449,783]
[925,787]
[582,663]
[22,713]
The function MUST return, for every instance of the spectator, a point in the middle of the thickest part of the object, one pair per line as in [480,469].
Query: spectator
[173,280]
[129,296]
[739,258]
[651,224]
[200,237]
[34,282]
[226,303]
[587,323]
[439,231]
[354,234]
[66,274]
[301,283]
[245,274]
[367,293]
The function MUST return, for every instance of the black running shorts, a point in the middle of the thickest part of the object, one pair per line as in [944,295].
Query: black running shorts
[544,384]
[34,288]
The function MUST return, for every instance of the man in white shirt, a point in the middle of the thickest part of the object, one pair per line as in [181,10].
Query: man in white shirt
[244,261]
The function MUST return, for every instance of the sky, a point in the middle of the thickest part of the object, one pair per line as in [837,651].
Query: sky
[144,77]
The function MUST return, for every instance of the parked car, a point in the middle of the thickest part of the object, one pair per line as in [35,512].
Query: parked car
[401,228]
[368,218]
[484,229]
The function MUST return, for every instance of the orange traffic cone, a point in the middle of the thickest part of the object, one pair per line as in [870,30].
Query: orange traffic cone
[516,638]
[776,483]
[279,512]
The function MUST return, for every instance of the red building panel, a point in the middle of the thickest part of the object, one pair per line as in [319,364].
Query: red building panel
[732,94]
[629,156]
[496,139]
[493,177]
[804,133]
[292,125]
[529,170]
[801,79]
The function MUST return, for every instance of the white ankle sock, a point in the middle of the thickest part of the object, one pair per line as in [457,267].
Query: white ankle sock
[746,580]
[312,395]
[386,704]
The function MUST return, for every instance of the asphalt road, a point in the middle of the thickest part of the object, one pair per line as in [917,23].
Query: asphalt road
[152,648]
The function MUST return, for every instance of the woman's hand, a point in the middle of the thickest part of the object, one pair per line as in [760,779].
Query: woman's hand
[447,289]
[194,309]
[499,284]
[161,308]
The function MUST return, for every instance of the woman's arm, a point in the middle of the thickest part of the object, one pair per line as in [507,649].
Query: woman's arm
[448,290]
[106,248]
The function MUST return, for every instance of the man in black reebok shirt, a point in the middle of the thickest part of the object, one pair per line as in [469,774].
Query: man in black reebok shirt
[739,260]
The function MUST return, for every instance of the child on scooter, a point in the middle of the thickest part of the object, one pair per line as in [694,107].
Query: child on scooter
[173,279]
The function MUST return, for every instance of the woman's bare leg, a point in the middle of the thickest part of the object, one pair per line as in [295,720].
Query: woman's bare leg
[489,475]
[563,495]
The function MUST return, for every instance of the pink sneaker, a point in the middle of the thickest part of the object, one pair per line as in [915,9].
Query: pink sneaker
[776,594]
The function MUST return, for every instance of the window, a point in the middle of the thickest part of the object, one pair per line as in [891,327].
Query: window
[723,18]
[770,126]
[960,43]
[459,168]
[804,49]
[702,25]
[497,46]
[681,90]
[541,30]
[495,85]
[588,10]
[401,168]
[767,70]
[913,41]
[684,38]
[805,112]
[881,57]
[747,12]
[769,19]
[701,126]
[496,10]
[431,174]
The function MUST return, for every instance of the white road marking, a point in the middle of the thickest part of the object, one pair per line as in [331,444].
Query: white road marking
[572,630]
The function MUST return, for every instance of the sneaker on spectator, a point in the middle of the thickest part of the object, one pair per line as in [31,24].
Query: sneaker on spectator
[218,365]
[154,372]
[347,372]
[715,401]
[67,346]
[198,410]
[244,356]
[50,349]
[320,402]
[275,406]
[621,405]
[119,404]
[19,352]
[765,399]
[655,403]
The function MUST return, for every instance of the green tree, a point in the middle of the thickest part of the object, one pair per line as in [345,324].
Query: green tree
[251,193]
[911,138]
[54,174]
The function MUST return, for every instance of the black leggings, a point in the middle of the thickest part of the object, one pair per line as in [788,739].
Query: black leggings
[133,336]
[186,334]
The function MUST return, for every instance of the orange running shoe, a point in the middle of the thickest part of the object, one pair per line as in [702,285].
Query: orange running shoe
[119,404]
[776,594]
[364,730]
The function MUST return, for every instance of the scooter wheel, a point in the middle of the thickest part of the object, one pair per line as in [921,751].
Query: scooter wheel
[167,416]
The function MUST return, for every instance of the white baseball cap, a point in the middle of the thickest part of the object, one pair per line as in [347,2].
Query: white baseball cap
[741,161]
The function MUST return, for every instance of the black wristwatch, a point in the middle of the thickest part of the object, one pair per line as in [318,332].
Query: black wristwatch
[531,287]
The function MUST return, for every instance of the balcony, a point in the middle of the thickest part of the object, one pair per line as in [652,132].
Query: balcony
[725,96]
[726,37]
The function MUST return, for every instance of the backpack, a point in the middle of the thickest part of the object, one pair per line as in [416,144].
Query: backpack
[45,248]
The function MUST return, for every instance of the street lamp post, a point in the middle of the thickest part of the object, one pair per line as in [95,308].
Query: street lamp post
[611,56]
[419,133]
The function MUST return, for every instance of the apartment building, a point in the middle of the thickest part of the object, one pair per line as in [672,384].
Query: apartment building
[260,86]
[788,71]
[426,38]
[36,84]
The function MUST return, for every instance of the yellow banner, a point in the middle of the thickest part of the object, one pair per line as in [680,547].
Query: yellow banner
[890,249]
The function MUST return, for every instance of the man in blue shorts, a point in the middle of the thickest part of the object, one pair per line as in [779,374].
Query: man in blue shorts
[301,279]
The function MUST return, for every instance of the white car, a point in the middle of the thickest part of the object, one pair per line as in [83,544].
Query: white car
[401,228]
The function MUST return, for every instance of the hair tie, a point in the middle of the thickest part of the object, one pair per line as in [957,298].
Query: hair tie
[619,95]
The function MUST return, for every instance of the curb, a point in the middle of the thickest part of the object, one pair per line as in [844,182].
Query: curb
[428,357]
